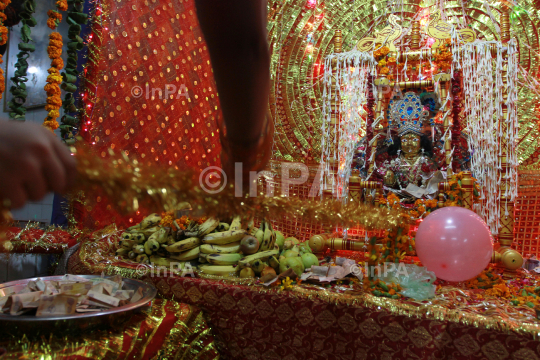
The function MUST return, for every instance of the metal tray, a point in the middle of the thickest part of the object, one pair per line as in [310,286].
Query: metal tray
[31,325]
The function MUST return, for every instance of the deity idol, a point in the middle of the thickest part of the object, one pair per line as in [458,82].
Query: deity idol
[413,164]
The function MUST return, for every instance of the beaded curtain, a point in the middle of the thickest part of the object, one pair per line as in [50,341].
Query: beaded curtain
[142,47]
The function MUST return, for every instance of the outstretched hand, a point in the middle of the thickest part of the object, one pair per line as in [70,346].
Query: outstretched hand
[33,162]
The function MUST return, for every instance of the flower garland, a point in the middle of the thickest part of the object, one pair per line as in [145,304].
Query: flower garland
[18,90]
[442,58]
[380,56]
[3,41]
[454,196]
[54,100]
[75,19]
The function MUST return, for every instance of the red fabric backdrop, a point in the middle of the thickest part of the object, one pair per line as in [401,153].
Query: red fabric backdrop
[138,49]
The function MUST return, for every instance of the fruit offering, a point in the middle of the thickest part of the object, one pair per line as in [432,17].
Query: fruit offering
[221,248]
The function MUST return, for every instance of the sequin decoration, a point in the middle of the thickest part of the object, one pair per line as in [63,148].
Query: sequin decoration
[148,90]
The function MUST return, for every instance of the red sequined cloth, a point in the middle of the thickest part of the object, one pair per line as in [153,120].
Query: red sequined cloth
[150,93]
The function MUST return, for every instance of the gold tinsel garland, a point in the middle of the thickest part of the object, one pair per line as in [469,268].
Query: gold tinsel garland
[132,185]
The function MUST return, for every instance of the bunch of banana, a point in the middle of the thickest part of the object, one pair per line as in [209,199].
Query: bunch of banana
[221,249]
[266,236]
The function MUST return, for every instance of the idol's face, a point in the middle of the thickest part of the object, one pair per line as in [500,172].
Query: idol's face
[410,144]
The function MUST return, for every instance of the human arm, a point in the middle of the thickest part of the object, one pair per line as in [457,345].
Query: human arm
[235,31]
[33,162]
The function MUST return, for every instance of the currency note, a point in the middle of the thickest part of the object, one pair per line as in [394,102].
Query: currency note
[56,305]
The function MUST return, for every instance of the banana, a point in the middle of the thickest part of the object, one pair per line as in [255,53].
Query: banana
[138,249]
[122,252]
[138,237]
[150,246]
[143,259]
[223,259]
[262,255]
[220,249]
[269,237]
[250,224]
[218,270]
[202,258]
[132,255]
[160,261]
[149,221]
[259,233]
[184,245]
[222,227]
[187,255]
[170,240]
[147,232]
[127,236]
[225,237]
[258,266]
[127,244]
[160,236]
[236,224]
[207,227]
[273,262]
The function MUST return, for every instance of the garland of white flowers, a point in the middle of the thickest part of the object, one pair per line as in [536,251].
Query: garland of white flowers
[350,80]
[482,82]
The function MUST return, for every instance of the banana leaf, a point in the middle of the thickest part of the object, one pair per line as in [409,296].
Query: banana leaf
[77,18]
[68,87]
[69,78]
[72,72]
[31,21]
[75,46]
[27,47]
[25,34]
[74,29]
[69,120]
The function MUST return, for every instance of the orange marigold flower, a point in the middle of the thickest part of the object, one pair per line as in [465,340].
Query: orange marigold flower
[56,43]
[51,124]
[62,5]
[54,52]
[3,35]
[58,63]
[4,4]
[53,114]
[55,36]
[54,100]
[54,78]
[51,23]
[52,89]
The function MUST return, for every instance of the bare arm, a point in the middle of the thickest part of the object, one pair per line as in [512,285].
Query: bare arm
[235,31]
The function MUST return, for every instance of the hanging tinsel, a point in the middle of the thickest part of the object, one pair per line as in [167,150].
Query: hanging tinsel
[483,81]
[18,90]
[345,85]
[456,122]
[75,18]
[54,50]
[3,41]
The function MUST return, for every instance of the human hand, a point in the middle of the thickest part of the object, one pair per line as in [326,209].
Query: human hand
[33,162]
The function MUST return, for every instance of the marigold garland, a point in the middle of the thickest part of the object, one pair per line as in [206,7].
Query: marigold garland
[3,40]
[54,101]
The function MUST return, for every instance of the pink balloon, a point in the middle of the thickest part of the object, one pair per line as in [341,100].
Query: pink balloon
[454,243]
